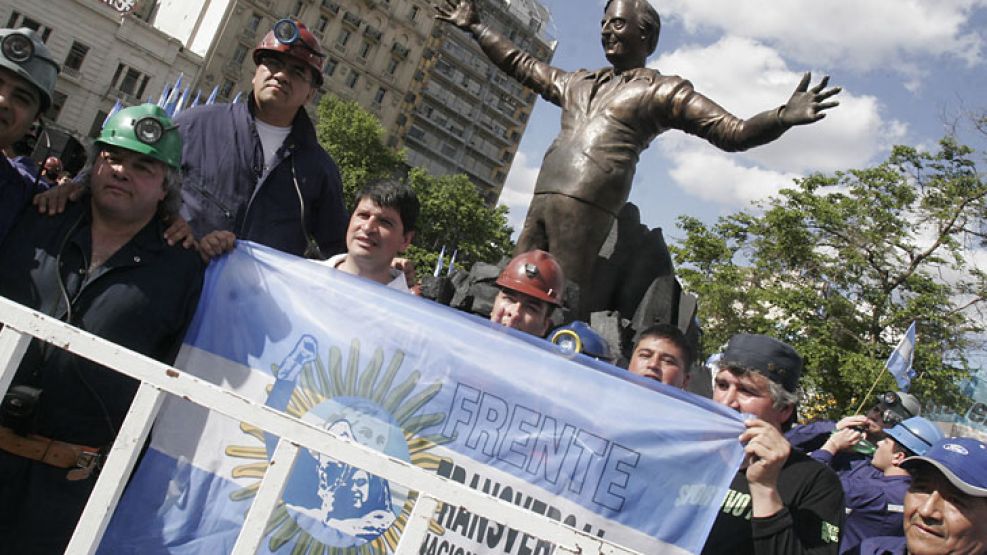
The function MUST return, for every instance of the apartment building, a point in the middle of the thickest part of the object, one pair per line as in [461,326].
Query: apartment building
[470,116]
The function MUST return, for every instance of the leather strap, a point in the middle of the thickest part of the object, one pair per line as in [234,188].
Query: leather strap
[49,451]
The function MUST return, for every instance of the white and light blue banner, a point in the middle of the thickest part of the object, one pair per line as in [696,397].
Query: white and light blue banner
[579,441]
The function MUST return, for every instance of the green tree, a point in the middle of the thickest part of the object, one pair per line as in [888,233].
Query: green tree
[453,213]
[840,265]
[355,139]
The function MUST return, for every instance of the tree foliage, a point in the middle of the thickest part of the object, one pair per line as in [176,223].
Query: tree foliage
[355,139]
[453,213]
[840,265]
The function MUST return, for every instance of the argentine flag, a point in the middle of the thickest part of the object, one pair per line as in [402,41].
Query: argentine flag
[576,440]
[900,362]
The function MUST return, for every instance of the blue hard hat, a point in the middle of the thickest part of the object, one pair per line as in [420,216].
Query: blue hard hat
[915,434]
[578,337]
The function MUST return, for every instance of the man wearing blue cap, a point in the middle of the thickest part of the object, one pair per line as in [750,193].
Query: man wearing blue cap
[946,505]
[781,501]
[875,488]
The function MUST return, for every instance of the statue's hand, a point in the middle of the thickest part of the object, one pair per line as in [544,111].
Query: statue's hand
[806,105]
[461,13]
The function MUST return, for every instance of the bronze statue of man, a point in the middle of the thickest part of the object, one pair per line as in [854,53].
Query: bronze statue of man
[608,117]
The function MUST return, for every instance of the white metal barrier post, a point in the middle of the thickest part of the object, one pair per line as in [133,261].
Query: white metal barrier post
[20,324]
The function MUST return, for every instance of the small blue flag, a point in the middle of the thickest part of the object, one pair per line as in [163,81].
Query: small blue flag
[900,362]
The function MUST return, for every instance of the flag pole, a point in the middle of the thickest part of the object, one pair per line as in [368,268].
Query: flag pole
[871,390]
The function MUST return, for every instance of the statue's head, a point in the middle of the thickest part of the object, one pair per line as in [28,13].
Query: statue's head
[629,31]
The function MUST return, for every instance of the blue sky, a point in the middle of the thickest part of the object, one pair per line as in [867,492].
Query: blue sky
[906,66]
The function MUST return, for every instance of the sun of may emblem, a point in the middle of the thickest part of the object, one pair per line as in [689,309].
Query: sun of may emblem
[329,507]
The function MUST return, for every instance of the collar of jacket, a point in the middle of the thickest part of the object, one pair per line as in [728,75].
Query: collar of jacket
[302,130]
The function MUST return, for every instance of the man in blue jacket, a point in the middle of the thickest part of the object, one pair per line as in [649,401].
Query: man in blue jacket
[256,170]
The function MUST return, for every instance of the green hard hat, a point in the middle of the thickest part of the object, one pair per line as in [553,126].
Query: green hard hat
[146,129]
[22,52]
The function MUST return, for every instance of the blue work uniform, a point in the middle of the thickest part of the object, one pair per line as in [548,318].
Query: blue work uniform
[874,502]
[226,186]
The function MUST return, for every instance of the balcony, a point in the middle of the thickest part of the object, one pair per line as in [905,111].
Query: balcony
[372,33]
[400,50]
[351,19]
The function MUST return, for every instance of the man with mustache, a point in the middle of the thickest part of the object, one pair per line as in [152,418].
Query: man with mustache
[946,504]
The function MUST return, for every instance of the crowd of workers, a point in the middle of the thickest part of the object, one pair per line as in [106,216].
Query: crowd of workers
[120,252]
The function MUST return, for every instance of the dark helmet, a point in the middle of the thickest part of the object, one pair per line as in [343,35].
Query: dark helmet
[578,337]
[146,129]
[896,406]
[22,52]
[292,37]
[536,274]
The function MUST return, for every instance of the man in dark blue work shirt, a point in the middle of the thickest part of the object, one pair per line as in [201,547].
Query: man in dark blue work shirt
[875,489]
[102,266]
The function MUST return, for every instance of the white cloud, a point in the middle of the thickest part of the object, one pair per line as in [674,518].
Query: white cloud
[747,77]
[717,177]
[519,188]
[876,34]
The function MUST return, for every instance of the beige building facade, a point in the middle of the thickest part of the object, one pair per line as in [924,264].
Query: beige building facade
[104,55]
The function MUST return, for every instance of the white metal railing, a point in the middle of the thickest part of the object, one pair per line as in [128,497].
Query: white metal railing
[157,380]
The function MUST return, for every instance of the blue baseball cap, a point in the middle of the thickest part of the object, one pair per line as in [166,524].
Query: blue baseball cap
[963,460]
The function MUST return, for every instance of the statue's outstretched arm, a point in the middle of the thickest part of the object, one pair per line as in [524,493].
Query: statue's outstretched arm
[703,117]
[520,65]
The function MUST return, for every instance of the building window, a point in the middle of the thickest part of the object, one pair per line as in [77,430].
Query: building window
[77,54]
[130,81]
[330,68]
[321,24]
[97,125]
[392,66]
[227,88]
[331,6]
[253,22]
[57,102]
[19,20]
[413,14]
[352,79]
[298,8]
[240,54]
[365,49]
[379,97]
[344,37]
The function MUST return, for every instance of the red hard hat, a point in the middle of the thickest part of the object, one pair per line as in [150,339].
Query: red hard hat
[53,164]
[536,274]
[300,44]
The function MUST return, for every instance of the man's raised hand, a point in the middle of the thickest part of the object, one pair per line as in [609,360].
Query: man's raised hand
[461,13]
